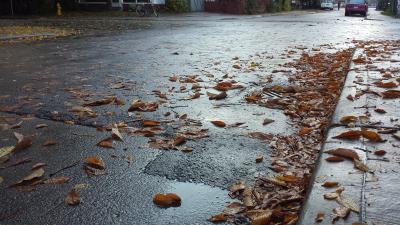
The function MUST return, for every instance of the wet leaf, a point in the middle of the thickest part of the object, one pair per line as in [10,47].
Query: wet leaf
[329,184]
[218,218]
[391,94]
[6,150]
[348,119]
[173,78]
[73,198]
[49,143]
[95,162]
[371,135]
[167,200]
[150,123]
[41,126]
[380,152]
[116,134]
[334,159]
[218,123]
[320,217]
[57,180]
[340,212]
[219,96]
[351,135]
[106,143]
[361,166]
[348,203]
[343,152]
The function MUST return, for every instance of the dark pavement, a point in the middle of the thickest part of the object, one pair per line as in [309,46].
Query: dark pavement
[35,78]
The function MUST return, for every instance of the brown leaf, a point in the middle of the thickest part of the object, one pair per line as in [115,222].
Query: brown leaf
[236,66]
[305,131]
[361,166]
[195,96]
[73,198]
[150,123]
[348,203]
[106,143]
[218,123]
[390,94]
[6,150]
[287,178]
[41,126]
[380,152]
[331,195]
[320,217]
[57,180]
[259,216]
[371,135]
[218,218]
[261,136]
[267,121]
[167,200]
[173,78]
[49,143]
[34,175]
[350,97]
[259,158]
[95,162]
[103,101]
[390,84]
[351,135]
[340,212]
[116,134]
[330,184]
[219,96]
[38,165]
[179,140]
[334,159]
[348,119]
[23,142]
[343,152]
[223,86]
[378,110]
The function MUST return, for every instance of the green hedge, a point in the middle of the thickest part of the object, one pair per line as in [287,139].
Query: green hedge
[178,6]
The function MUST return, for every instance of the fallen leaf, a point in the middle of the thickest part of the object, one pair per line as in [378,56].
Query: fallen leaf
[361,166]
[343,152]
[23,142]
[236,187]
[20,161]
[81,186]
[267,121]
[320,217]
[150,123]
[223,86]
[287,178]
[49,143]
[167,200]
[103,101]
[378,110]
[348,119]
[261,136]
[395,136]
[116,134]
[236,66]
[6,150]
[390,84]
[334,159]
[38,165]
[219,218]
[138,105]
[106,143]
[348,203]
[34,175]
[330,184]
[259,216]
[340,212]
[73,198]
[57,180]
[305,130]
[41,126]
[380,152]
[350,97]
[371,135]
[351,135]
[95,162]
[218,123]
[185,149]
[219,96]
[331,195]
[259,158]
[390,94]
[179,140]
[173,78]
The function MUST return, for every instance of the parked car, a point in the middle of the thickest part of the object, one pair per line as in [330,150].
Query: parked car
[327,4]
[356,7]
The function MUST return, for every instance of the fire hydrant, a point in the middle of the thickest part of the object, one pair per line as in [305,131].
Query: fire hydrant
[59,13]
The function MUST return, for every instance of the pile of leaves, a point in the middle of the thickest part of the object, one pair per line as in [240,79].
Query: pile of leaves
[309,101]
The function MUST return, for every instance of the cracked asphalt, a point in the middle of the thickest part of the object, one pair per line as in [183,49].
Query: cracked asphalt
[144,55]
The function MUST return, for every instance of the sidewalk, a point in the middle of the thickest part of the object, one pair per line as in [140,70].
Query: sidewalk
[375,68]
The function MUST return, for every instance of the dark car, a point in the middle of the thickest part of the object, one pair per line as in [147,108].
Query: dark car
[356,7]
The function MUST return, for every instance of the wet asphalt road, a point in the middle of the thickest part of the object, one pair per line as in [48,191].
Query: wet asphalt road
[200,44]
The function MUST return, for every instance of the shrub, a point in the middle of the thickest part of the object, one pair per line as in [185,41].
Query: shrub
[178,6]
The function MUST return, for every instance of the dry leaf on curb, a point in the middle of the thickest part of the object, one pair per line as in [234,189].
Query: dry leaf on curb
[348,203]
[57,180]
[167,200]
[106,143]
[150,123]
[334,159]
[351,135]
[330,184]
[219,218]
[6,150]
[320,217]
[116,134]
[95,162]
[218,123]
[340,212]
[73,197]
[371,135]
[343,152]
[361,166]
[49,143]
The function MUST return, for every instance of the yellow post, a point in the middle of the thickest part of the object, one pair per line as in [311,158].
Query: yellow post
[59,9]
